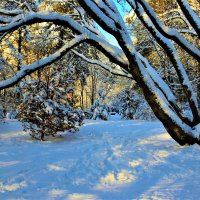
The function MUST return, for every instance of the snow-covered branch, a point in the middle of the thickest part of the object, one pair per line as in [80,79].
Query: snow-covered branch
[4,20]
[99,14]
[167,32]
[115,54]
[10,12]
[165,89]
[117,71]
[187,31]
[158,80]
[170,50]
[119,30]
[191,16]
[28,69]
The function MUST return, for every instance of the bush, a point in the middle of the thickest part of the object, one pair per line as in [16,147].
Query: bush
[129,104]
[43,116]
[100,110]
[11,115]
[132,105]
[1,115]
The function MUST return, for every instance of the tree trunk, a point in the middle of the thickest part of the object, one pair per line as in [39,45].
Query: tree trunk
[82,95]
[19,48]
[178,133]
[177,129]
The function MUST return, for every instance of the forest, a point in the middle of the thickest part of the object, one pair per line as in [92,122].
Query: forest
[124,75]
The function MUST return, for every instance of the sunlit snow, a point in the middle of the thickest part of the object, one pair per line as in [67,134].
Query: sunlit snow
[116,159]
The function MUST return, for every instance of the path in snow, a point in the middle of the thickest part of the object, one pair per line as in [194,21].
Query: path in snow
[117,159]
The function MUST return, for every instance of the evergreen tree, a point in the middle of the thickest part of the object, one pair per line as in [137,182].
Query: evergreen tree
[100,109]
[128,104]
[42,112]
[131,105]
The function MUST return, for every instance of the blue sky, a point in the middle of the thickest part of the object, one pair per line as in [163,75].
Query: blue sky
[107,35]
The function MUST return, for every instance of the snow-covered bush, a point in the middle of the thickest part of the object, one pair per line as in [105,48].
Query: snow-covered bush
[131,105]
[143,111]
[11,115]
[1,115]
[114,105]
[88,114]
[99,109]
[42,112]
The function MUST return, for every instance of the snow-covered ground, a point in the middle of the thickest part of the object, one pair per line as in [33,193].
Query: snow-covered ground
[110,160]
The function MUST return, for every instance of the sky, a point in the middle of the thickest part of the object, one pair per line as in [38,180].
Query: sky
[123,12]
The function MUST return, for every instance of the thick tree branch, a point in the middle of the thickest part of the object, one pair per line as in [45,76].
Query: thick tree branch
[170,50]
[191,16]
[152,93]
[169,33]
[115,54]
[161,84]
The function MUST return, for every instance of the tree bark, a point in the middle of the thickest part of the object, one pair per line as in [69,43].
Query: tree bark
[181,133]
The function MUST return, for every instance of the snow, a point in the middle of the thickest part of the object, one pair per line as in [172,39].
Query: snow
[116,159]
